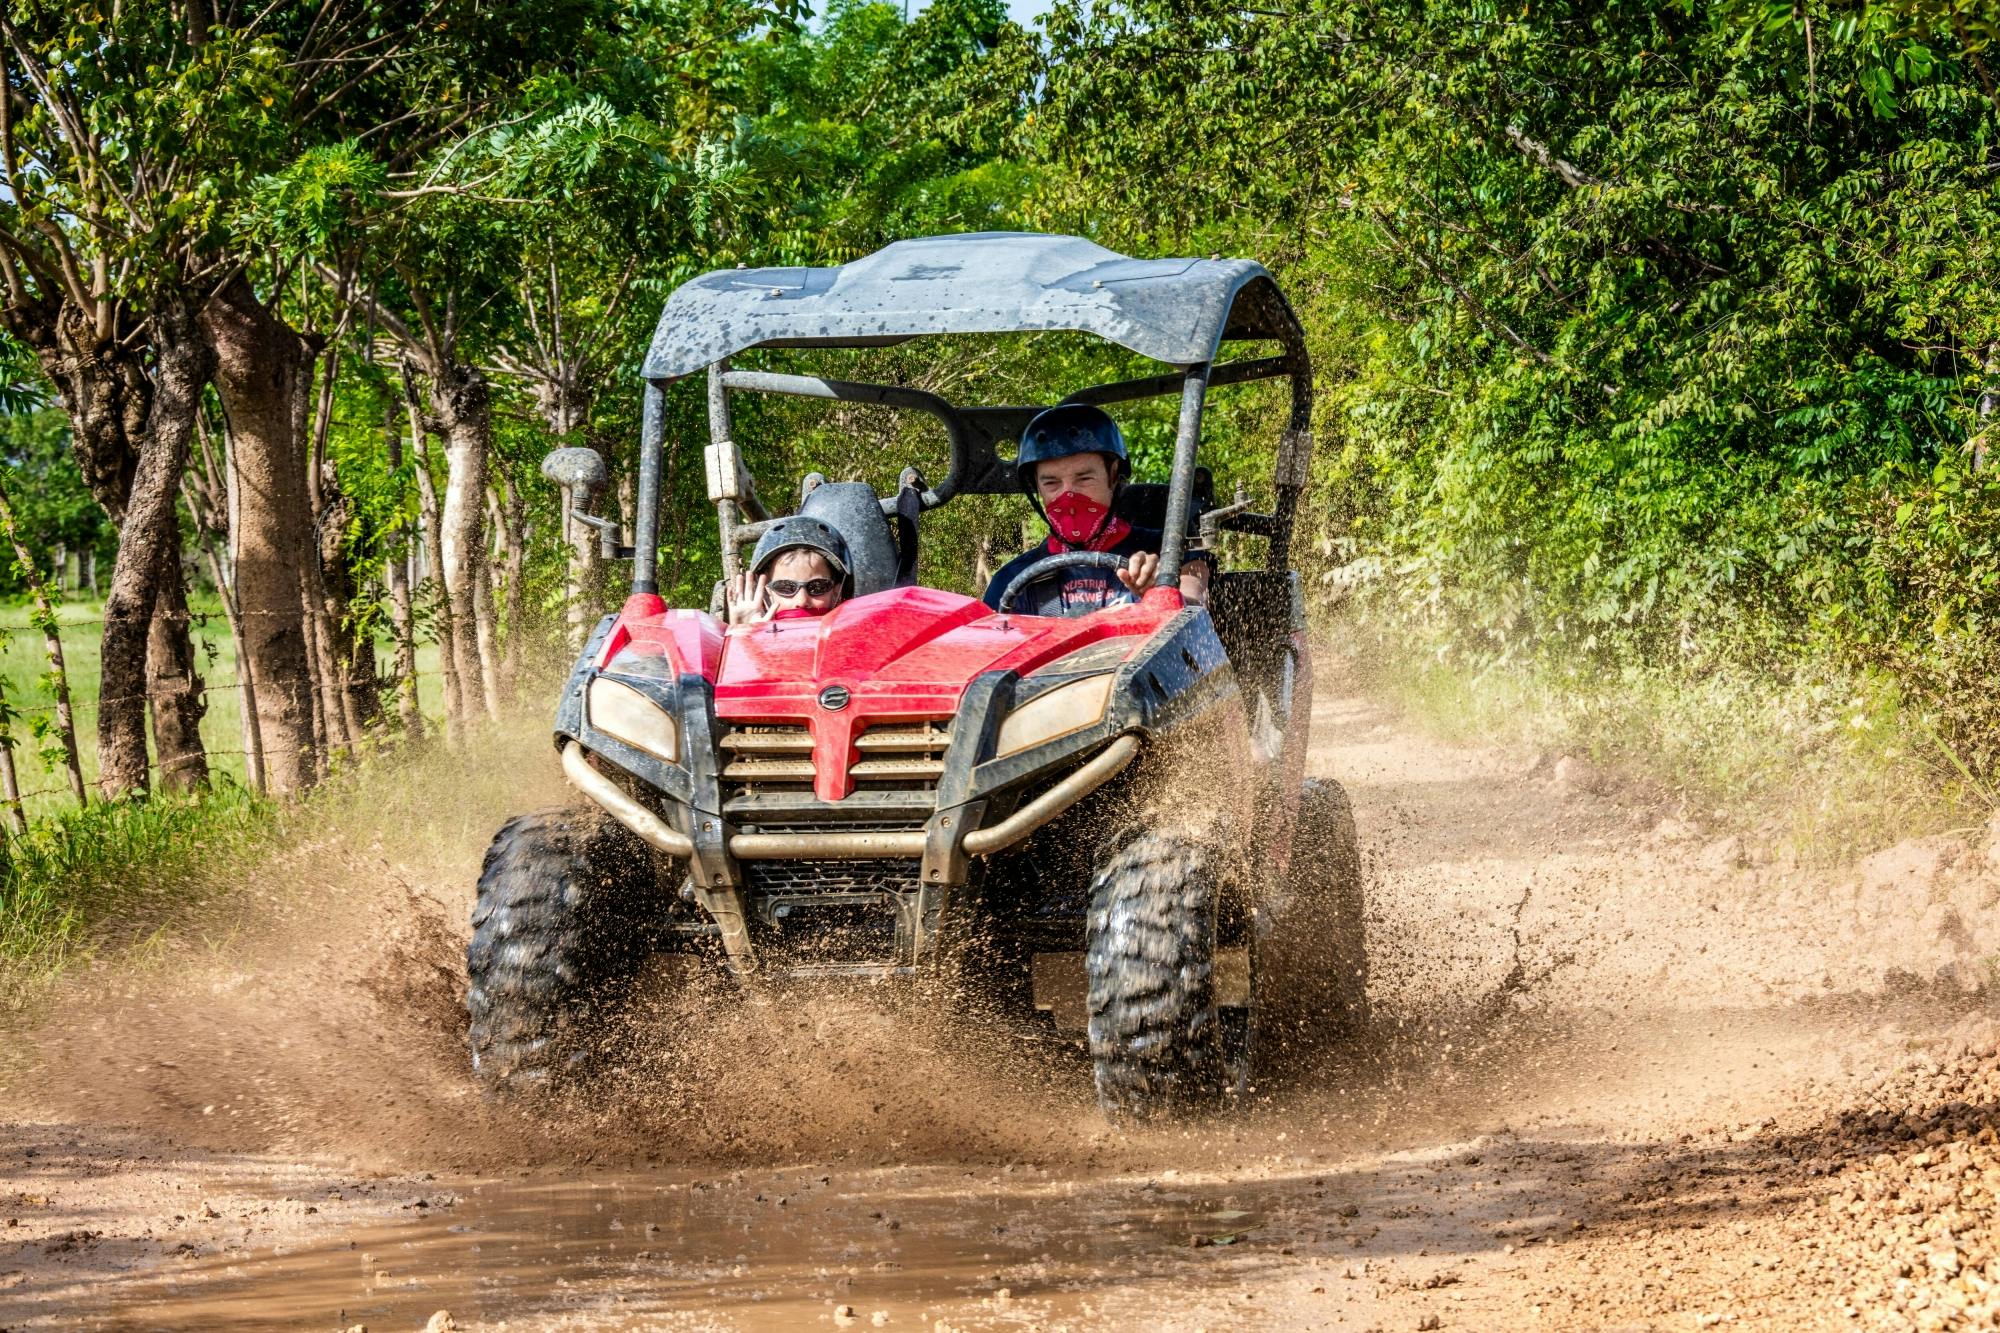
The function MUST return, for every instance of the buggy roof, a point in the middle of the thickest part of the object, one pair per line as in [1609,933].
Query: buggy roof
[1173,310]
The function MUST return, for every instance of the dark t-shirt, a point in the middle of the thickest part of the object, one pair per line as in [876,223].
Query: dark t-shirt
[1076,592]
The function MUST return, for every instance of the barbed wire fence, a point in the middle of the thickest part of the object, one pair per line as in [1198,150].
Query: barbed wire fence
[46,716]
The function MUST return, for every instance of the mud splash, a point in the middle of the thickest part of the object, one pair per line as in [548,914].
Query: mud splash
[321,1012]
[1421,1165]
[1568,985]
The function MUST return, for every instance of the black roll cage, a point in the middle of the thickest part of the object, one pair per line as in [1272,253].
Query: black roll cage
[974,434]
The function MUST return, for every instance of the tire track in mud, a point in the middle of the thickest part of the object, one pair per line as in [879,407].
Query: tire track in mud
[1603,1037]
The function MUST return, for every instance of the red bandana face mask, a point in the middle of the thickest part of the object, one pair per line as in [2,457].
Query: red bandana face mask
[1080,523]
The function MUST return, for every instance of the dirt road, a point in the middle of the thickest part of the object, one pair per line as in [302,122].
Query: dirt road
[1630,1074]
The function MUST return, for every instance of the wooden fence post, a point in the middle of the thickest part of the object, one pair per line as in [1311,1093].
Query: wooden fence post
[10,781]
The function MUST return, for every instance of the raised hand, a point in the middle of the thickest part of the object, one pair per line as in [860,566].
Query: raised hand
[746,597]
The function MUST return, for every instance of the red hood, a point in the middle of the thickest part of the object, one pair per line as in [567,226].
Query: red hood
[902,655]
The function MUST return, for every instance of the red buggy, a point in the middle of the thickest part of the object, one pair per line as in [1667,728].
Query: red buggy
[1025,811]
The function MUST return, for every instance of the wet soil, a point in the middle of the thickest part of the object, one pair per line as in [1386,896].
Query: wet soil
[1627,1074]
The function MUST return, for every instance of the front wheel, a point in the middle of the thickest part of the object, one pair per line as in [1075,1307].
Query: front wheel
[1149,962]
[558,934]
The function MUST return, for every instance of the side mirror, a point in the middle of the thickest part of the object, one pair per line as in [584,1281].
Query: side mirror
[582,476]
[578,471]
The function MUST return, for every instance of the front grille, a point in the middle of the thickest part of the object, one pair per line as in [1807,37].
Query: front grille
[767,760]
[901,756]
[760,760]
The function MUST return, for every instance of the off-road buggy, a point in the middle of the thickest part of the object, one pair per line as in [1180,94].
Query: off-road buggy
[1103,821]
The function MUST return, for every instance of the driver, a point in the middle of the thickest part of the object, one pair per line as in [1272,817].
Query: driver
[800,568]
[1071,465]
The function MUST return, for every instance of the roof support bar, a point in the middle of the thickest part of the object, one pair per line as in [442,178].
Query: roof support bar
[881,395]
[722,436]
[1294,468]
[1152,386]
[1180,487]
[646,522]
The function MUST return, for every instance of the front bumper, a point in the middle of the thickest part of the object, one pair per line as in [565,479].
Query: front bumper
[837,844]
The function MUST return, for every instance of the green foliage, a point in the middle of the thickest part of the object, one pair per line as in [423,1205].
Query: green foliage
[1637,326]
[1650,337]
[53,506]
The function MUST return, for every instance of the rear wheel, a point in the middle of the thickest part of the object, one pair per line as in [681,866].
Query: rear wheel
[1308,951]
[558,934]
[1149,966]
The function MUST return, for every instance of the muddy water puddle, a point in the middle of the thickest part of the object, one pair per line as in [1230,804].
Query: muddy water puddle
[776,1250]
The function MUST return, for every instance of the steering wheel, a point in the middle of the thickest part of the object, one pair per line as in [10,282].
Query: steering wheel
[1053,564]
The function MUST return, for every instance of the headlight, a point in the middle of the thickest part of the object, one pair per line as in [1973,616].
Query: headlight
[624,714]
[1057,713]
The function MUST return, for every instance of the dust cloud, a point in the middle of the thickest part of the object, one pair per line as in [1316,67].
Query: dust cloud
[319,1009]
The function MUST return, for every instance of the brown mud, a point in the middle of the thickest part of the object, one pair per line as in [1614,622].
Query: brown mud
[1627,1074]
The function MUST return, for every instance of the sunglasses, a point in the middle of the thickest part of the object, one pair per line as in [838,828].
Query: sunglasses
[792,587]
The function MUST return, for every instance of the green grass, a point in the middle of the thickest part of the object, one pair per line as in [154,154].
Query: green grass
[24,671]
[1827,765]
[81,882]
[78,878]
[163,878]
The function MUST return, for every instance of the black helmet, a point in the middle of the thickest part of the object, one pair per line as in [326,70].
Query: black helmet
[801,533]
[1073,428]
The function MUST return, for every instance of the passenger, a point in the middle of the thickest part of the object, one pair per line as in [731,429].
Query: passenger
[1071,465]
[800,567]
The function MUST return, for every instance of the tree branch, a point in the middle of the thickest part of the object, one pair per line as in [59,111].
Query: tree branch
[1538,152]
[366,300]
[1471,302]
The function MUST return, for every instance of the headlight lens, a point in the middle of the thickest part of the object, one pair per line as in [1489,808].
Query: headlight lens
[1059,712]
[624,714]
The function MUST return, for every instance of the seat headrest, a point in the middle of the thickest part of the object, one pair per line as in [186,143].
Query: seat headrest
[854,510]
[1143,504]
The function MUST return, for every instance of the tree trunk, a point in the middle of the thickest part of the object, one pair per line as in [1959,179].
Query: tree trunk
[364,674]
[486,633]
[396,572]
[327,731]
[514,608]
[147,539]
[261,376]
[336,731]
[982,561]
[488,588]
[173,684]
[10,780]
[112,400]
[246,686]
[402,614]
[429,514]
[628,492]
[331,584]
[204,504]
[463,406]
[353,657]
